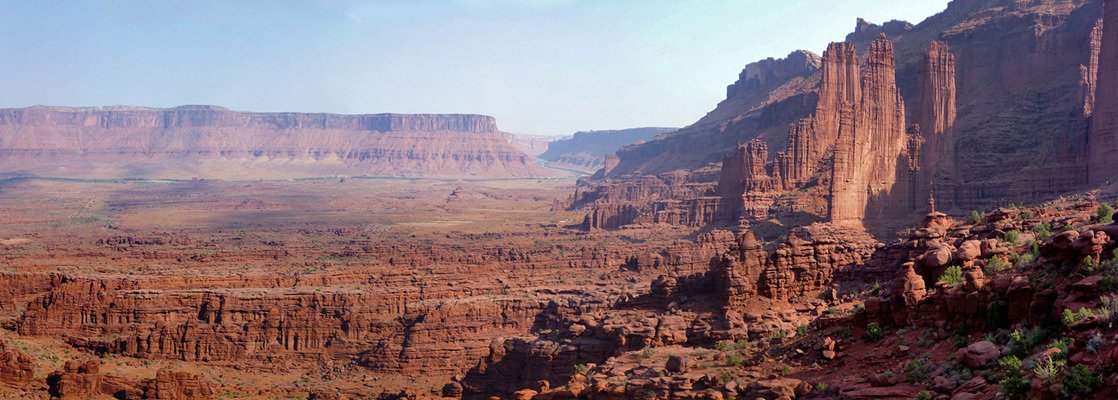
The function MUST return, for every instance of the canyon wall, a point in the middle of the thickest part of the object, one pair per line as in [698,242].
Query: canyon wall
[1103,139]
[768,95]
[213,142]
[872,142]
[982,105]
[935,117]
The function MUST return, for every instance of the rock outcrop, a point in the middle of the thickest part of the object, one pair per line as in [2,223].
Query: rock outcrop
[744,182]
[871,146]
[84,380]
[212,142]
[797,267]
[16,369]
[935,118]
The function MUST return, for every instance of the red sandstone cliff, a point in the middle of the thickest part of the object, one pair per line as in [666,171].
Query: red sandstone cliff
[212,142]
[872,140]
[768,95]
[1000,95]
[935,115]
[1103,139]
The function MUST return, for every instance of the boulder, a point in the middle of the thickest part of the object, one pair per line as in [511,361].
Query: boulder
[980,354]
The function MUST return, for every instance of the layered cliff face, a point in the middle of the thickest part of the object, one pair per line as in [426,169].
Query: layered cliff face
[935,117]
[986,103]
[769,95]
[1103,139]
[212,142]
[872,144]
[585,151]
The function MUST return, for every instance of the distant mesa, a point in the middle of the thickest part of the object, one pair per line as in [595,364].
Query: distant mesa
[217,143]
[586,151]
[532,145]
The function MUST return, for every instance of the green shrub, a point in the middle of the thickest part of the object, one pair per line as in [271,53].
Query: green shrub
[734,359]
[1069,318]
[1080,381]
[1010,365]
[918,370]
[924,395]
[1011,237]
[975,218]
[581,369]
[647,352]
[1105,213]
[1067,227]
[1109,281]
[1048,370]
[874,332]
[996,264]
[801,330]
[1042,231]
[821,387]
[1089,265]
[1062,345]
[952,276]
[1013,386]
[1023,341]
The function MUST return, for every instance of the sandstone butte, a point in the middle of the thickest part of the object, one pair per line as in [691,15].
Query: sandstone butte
[216,143]
[812,237]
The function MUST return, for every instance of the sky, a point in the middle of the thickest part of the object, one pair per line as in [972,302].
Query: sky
[541,67]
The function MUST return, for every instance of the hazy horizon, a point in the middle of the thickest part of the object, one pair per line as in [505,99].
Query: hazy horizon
[544,67]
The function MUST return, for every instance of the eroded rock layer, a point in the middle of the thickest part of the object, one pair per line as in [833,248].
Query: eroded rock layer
[999,100]
[213,142]
[1103,140]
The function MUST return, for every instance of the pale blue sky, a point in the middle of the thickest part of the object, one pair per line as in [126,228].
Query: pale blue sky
[539,66]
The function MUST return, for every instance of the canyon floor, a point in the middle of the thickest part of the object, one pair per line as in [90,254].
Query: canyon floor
[392,288]
[392,250]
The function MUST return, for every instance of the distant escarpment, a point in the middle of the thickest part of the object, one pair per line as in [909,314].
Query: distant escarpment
[586,151]
[982,105]
[532,145]
[213,142]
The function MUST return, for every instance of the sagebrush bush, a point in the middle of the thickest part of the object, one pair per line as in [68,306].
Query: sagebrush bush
[1108,311]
